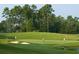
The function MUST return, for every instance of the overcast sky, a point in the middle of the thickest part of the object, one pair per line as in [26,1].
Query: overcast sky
[60,9]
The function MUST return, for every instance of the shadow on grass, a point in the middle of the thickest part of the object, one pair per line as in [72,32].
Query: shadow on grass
[4,36]
[34,49]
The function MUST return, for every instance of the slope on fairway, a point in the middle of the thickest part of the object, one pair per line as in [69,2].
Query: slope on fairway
[35,49]
[41,35]
[40,42]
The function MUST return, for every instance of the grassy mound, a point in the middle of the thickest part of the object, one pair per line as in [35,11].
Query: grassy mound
[41,35]
[40,42]
[38,37]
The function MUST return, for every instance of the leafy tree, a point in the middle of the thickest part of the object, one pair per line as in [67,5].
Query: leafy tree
[45,13]
[28,18]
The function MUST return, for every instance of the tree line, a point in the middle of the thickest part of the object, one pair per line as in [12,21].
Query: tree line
[29,18]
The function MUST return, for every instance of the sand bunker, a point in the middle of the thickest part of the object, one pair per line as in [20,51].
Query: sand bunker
[18,42]
[14,42]
[24,43]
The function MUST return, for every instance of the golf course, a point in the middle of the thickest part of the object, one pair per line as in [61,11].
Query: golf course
[28,29]
[39,43]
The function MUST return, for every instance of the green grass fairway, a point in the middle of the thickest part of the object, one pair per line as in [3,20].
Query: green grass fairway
[40,43]
[40,35]
[36,49]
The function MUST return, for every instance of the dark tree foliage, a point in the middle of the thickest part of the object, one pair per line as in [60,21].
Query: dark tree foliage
[28,18]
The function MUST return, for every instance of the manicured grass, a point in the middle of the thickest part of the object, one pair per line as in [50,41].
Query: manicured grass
[35,49]
[4,41]
[41,35]
[38,47]
[40,43]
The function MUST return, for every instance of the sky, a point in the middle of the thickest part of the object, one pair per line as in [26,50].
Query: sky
[60,9]
[66,9]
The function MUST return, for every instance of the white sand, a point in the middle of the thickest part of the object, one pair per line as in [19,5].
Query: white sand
[25,43]
[18,42]
[15,42]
